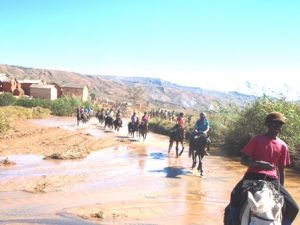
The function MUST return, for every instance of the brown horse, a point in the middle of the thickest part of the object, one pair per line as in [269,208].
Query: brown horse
[118,124]
[178,136]
[143,130]
[197,149]
[109,121]
[100,116]
[133,128]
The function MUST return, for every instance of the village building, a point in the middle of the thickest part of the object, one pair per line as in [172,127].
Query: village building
[44,91]
[75,90]
[26,84]
[11,86]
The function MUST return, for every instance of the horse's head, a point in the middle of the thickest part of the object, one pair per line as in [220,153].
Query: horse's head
[265,209]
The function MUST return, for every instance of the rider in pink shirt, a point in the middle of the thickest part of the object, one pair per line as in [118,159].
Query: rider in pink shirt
[180,120]
[264,155]
[264,148]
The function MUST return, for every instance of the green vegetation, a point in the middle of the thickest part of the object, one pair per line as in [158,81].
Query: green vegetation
[250,121]
[60,107]
[10,113]
[35,102]
[25,108]
[7,99]
[232,128]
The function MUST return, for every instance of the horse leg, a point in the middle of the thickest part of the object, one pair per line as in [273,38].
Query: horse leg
[176,149]
[194,158]
[200,169]
[182,148]
[170,145]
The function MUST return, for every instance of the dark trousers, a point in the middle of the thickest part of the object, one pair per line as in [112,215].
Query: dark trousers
[291,207]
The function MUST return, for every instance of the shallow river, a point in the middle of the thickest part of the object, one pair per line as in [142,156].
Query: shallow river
[141,185]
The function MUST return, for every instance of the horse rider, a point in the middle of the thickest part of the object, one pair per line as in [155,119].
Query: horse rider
[134,118]
[110,113]
[201,128]
[81,110]
[180,121]
[118,117]
[265,155]
[145,118]
[78,115]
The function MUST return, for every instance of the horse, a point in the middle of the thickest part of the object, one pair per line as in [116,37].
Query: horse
[117,124]
[197,149]
[143,130]
[262,206]
[100,116]
[109,121]
[178,136]
[132,128]
[82,117]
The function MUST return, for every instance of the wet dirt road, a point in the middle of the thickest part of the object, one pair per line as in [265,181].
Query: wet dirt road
[132,183]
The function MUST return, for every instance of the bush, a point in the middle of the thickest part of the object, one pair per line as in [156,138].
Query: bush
[35,102]
[7,99]
[65,106]
[5,123]
[251,122]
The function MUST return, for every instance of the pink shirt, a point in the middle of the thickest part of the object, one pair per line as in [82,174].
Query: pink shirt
[180,121]
[263,148]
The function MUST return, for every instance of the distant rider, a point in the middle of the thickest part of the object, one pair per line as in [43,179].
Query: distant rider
[201,128]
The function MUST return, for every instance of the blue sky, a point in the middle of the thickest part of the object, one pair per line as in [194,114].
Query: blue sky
[205,43]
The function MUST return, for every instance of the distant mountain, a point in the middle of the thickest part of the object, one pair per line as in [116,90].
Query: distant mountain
[153,91]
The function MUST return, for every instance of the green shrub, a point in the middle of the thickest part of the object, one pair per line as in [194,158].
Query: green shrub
[65,106]
[5,123]
[35,102]
[7,99]
[251,122]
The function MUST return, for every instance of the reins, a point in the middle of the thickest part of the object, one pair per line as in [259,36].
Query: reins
[278,180]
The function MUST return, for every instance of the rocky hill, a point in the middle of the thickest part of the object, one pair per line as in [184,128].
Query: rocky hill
[155,92]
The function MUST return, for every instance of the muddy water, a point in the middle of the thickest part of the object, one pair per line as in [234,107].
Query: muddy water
[137,185]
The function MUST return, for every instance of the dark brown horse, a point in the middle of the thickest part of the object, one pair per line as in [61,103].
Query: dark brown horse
[143,130]
[100,116]
[133,128]
[118,124]
[177,135]
[197,149]
[109,121]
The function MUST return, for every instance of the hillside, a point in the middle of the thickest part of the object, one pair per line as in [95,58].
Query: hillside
[156,92]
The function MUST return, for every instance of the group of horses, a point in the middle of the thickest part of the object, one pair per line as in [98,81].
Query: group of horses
[109,121]
[197,147]
[83,116]
[141,129]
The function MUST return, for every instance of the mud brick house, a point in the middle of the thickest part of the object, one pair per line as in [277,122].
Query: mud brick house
[73,90]
[12,86]
[3,77]
[45,91]
[26,84]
